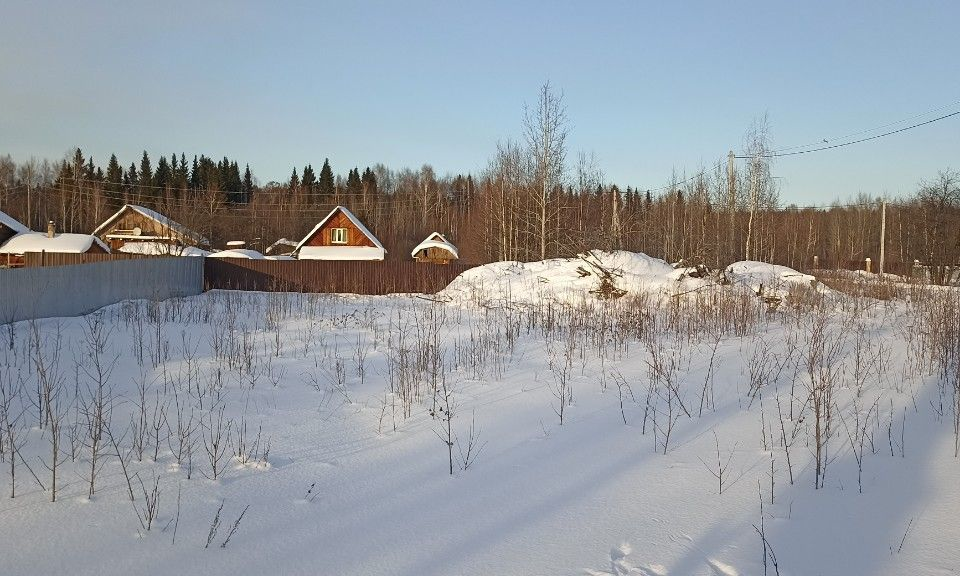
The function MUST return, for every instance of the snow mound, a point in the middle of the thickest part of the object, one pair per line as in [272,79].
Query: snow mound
[238,253]
[594,275]
[767,279]
[161,249]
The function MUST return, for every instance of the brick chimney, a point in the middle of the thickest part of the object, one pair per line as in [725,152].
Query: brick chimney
[51,229]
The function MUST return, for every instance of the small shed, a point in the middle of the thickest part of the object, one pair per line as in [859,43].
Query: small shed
[435,249]
[340,236]
[12,251]
[135,224]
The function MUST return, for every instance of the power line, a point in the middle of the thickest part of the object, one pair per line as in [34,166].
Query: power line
[841,145]
[867,131]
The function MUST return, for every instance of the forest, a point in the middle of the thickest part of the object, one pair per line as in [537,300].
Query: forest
[533,200]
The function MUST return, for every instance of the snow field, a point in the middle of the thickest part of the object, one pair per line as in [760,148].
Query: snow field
[355,480]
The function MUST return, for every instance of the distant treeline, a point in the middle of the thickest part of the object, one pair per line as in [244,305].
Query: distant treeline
[527,204]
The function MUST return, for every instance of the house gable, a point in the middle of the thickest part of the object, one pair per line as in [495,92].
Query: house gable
[324,235]
[340,236]
[134,223]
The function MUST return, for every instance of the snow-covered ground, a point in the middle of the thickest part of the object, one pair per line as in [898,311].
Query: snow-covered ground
[334,431]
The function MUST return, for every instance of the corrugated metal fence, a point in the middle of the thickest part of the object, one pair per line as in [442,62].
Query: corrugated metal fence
[328,276]
[71,290]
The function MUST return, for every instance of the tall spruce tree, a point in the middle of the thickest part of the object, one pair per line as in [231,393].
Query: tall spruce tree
[114,174]
[146,172]
[161,178]
[195,174]
[247,185]
[354,185]
[308,180]
[369,181]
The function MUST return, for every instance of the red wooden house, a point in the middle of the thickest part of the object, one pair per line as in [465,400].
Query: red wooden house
[340,236]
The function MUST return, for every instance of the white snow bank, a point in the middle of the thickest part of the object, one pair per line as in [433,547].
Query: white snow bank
[40,242]
[767,279]
[238,253]
[161,249]
[569,280]
[340,253]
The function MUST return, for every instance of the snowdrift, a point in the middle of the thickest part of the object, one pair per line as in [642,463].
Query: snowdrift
[598,275]
[764,279]
[594,275]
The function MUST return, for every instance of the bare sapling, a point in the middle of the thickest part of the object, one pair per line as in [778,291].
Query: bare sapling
[360,359]
[623,390]
[787,439]
[96,404]
[216,440]
[856,429]
[445,412]
[233,527]
[562,389]
[158,423]
[706,393]
[720,471]
[148,511]
[181,439]
[474,446]
[12,412]
[53,398]
[769,558]
[824,352]
[214,525]
[116,442]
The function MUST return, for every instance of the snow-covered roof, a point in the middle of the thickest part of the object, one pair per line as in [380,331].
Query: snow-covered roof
[436,240]
[238,253]
[279,257]
[161,249]
[11,223]
[39,242]
[340,253]
[157,217]
[356,222]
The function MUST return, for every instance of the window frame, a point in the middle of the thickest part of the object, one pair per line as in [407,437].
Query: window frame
[342,233]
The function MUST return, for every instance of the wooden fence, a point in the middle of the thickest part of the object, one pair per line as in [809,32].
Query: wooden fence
[40,259]
[385,277]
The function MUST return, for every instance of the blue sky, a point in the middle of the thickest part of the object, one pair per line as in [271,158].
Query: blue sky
[649,87]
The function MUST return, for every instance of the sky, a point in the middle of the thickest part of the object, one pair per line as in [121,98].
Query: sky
[650,89]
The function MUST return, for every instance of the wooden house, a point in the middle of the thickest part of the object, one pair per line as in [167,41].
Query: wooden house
[436,250]
[12,251]
[340,236]
[142,230]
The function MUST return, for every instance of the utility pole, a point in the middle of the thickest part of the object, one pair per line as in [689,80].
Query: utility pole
[732,192]
[615,224]
[753,204]
[883,233]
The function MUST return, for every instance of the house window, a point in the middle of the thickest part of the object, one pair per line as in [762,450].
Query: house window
[338,235]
